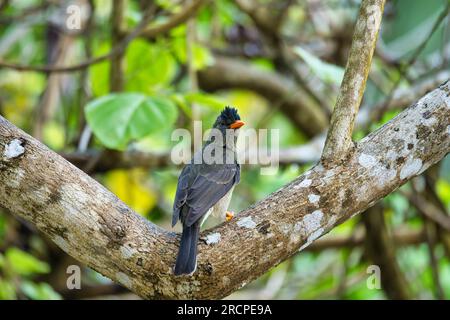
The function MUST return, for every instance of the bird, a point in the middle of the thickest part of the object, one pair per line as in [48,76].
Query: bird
[205,187]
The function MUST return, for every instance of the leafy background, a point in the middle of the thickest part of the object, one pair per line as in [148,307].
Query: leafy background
[158,95]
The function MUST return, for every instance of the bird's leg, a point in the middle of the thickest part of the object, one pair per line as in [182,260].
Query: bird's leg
[229,215]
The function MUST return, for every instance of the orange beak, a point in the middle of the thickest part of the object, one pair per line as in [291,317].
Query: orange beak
[237,124]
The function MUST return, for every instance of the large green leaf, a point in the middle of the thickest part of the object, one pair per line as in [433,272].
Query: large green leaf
[117,119]
[327,72]
[24,263]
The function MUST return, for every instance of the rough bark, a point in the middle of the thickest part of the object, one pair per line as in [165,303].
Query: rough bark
[95,227]
[339,139]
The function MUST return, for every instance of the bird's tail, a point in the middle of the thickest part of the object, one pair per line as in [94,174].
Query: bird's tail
[187,255]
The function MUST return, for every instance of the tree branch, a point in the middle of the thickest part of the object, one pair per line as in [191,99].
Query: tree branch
[339,139]
[401,98]
[429,210]
[95,227]
[102,161]
[381,250]
[179,18]
[400,237]
[140,30]
[116,78]
[117,50]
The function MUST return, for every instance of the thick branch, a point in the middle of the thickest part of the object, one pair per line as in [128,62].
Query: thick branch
[96,228]
[339,139]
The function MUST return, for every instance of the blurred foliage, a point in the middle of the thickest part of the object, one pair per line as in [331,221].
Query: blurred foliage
[328,73]
[17,270]
[131,187]
[158,97]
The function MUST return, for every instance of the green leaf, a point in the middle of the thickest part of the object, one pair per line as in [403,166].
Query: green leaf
[443,191]
[24,263]
[445,169]
[117,119]
[165,4]
[148,66]
[99,73]
[181,102]
[327,72]
[7,290]
[2,261]
[202,56]
[205,99]
[39,291]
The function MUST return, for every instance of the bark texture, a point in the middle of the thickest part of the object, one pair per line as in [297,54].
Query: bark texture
[95,227]
[339,139]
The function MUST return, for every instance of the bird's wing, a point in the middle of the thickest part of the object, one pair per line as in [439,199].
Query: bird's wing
[186,175]
[210,185]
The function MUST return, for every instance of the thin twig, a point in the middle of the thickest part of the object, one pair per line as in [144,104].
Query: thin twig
[382,252]
[431,237]
[179,18]
[26,13]
[192,73]
[402,97]
[116,70]
[138,31]
[428,209]
[403,69]
[84,89]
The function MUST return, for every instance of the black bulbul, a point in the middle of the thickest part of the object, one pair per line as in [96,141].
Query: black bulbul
[205,186]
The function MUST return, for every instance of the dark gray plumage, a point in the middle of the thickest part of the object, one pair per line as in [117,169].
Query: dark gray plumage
[201,187]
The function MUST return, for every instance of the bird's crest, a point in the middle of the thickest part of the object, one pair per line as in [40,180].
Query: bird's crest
[230,115]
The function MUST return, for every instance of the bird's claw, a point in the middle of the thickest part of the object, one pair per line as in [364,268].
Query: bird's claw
[229,215]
